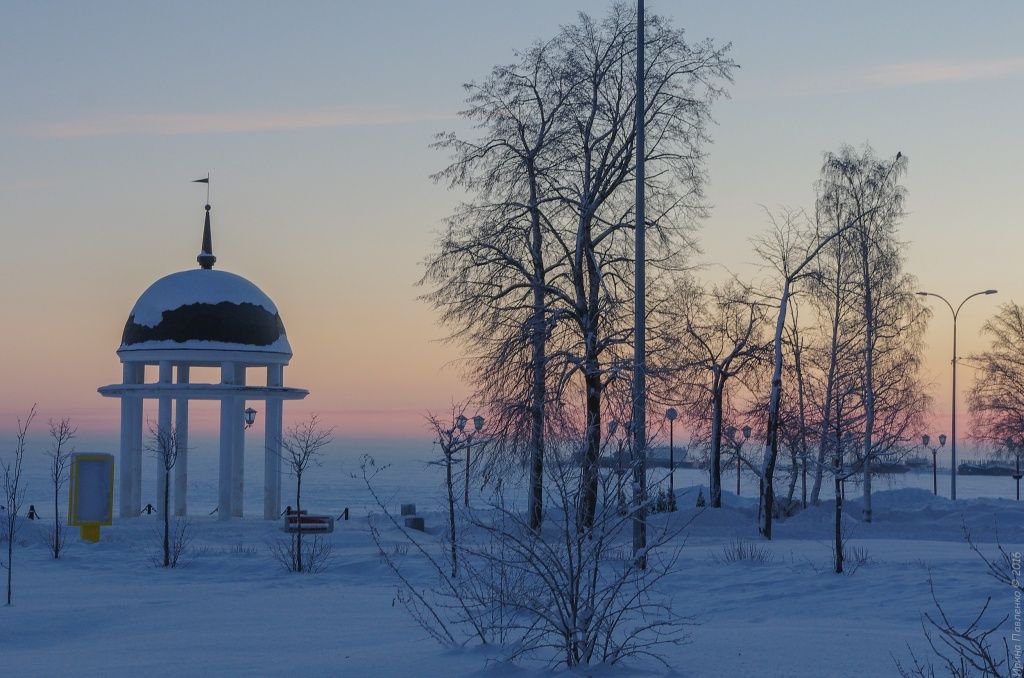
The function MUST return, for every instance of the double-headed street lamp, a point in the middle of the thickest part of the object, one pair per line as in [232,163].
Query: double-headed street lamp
[460,424]
[925,440]
[955,312]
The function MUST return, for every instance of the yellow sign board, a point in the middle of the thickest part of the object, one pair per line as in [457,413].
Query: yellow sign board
[91,493]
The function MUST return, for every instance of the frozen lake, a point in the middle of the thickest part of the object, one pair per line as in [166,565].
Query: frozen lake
[411,477]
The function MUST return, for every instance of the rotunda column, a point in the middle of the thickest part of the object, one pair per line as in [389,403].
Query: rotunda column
[272,447]
[131,445]
[136,444]
[181,466]
[228,425]
[238,451]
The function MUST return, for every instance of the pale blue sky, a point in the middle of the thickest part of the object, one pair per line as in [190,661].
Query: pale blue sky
[109,109]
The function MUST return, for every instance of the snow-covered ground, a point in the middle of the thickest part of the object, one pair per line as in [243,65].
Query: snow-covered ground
[105,610]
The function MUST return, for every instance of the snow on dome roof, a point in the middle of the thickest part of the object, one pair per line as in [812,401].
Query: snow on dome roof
[205,309]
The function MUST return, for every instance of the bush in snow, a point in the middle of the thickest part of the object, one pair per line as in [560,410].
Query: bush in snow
[175,542]
[739,550]
[571,595]
[1004,567]
[312,554]
[958,651]
[965,651]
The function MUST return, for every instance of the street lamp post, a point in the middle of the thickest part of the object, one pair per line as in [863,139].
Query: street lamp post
[671,414]
[1018,450]
[478,425]
[847,442]
[452,440]
[620,470]
[803,479]
[952,446]
[738,445]
[925,440]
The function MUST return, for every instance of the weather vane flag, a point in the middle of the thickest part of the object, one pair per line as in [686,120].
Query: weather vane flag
[205,180]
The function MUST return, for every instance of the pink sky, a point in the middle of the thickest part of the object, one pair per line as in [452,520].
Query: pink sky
[317,133]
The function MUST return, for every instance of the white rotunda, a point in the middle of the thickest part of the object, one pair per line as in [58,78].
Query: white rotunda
[202,318]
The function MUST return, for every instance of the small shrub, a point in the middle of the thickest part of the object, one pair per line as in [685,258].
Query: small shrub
[241,549]
[316,553]
[960,651]
[739,550]
[857,557]
[179,539]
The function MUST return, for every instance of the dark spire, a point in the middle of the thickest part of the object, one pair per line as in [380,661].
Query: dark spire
[206,259]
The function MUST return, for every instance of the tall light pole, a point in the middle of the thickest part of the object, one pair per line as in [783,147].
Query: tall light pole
[952,447]
[639,314]
[671,414]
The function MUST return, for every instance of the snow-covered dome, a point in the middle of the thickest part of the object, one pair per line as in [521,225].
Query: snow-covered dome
[204,309]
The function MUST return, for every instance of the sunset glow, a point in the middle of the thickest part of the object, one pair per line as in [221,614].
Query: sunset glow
[321,186]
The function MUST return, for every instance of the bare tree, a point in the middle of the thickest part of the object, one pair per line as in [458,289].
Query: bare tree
[1003,566]
[718,337]
[556,263]
[834,349]
[490,273]
[996,398]
[165,445]
[841,472]
[867,189]
[792,247]
[61,435]
[14,494]
[570,595]
[795,424]
[301,448]
[967,651]
[963,652]
[597,184]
